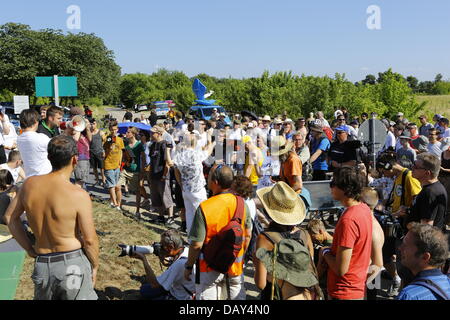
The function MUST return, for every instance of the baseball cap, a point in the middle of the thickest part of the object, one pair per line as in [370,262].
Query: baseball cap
[400,114]
[246,139]
[444,120]
[342,128]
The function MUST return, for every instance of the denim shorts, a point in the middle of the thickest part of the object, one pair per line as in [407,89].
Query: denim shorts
[112,178]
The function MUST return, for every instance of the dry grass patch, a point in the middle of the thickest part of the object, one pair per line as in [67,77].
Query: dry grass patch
[436,104]
[118,278]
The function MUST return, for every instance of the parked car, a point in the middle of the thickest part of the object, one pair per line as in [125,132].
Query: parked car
[140,107]
[8,109]
[162,108]
[205,112]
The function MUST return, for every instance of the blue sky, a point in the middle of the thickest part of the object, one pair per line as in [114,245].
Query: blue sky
[244,38]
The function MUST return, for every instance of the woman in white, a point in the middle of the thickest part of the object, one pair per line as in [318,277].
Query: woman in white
[10,139]
[189,173]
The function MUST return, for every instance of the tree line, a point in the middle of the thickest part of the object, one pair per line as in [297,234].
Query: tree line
[27,53]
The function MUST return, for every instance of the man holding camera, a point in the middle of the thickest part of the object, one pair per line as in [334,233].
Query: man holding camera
[171,284]
[404,191]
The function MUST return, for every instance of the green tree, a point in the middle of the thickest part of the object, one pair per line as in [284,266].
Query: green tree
[27,53]
[370,79]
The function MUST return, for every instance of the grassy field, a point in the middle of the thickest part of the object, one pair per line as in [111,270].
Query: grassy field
[436,104]
[118,278]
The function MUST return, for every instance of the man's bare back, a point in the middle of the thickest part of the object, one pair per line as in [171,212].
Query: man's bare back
[60,216]
[53,207]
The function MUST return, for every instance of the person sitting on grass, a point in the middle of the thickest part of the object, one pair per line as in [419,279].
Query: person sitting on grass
[171,284]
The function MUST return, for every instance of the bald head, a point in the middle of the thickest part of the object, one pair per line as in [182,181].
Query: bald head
[223,176]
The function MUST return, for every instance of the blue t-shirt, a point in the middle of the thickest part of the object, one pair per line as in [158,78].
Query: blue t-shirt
[417,292]
[321,162]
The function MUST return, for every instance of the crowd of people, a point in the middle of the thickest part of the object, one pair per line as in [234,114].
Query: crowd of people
[245,177]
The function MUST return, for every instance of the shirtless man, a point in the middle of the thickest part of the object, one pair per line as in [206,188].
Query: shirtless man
[66,248]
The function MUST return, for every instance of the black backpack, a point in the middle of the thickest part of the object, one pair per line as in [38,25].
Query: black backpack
[256,230]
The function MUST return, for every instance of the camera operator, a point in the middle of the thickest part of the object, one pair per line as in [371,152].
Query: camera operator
[171,284]
[343,152]
[404,191]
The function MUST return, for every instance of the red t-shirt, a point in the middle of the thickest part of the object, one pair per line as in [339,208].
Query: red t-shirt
[353,230]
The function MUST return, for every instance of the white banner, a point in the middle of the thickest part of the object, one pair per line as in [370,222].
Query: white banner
[21,103]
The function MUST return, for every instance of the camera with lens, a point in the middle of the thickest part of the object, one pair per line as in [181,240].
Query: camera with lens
[390,225]
[130,250]
[110,139]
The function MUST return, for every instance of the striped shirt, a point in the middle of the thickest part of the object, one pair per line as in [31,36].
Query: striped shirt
[418,292]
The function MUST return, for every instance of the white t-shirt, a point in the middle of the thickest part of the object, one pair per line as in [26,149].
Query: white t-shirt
[10,139]
[33,150]
[173,280]
[390,141]
[14,172]
[251,207]
[446,133]
[2,139]
[202,141]
[236,134]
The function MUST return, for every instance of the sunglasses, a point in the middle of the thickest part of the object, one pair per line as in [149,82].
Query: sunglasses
[340,132]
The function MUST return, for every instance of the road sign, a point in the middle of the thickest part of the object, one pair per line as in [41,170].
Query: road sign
[372,134]
[21,103]
[56,87]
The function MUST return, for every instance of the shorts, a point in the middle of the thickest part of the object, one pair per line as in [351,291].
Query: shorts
[112,178]
[160,193]
[97,161]
[81,171]
[131,179]
[68,279]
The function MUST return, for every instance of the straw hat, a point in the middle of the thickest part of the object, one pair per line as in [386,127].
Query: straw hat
[282,204]
[266,118]
[279,145]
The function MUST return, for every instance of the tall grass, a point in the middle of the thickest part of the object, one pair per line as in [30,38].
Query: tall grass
[435,104]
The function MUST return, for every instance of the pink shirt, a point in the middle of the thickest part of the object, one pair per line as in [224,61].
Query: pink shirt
[83,148]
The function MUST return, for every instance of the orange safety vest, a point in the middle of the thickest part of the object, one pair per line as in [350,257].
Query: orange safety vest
[218,211]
